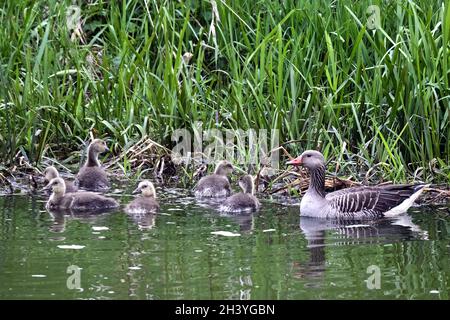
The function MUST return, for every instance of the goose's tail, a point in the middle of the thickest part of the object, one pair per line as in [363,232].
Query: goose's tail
[407,203]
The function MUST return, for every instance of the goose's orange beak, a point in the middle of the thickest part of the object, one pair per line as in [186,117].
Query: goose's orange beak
[295,162]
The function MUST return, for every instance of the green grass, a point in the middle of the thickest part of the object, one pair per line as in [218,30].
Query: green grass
[308,68]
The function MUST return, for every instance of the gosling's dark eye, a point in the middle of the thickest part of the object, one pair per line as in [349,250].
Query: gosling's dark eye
[309,156]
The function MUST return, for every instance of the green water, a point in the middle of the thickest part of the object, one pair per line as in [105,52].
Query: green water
[174,255]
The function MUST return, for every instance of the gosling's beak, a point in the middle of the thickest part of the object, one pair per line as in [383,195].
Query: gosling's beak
[136,191]
[47,187]
[295,162]
[106,149]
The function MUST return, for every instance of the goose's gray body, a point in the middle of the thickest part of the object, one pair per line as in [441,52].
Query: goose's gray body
[352,203]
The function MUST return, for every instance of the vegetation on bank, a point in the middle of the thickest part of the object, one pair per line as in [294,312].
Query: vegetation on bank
[134,70]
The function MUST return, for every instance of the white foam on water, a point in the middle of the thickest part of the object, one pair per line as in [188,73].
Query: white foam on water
[226,233]
[134,268]
[434,291]
[71,246]
[100,228]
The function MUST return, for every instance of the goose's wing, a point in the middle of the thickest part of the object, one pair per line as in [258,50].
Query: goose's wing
[369,201]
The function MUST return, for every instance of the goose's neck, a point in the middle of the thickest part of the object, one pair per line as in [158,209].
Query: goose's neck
[149,195]
[92,159]
[249,190]
[317,183]
[56,196]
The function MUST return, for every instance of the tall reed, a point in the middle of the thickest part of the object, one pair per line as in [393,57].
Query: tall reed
[311,69]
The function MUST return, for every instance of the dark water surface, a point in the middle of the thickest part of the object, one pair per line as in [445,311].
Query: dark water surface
[272,254]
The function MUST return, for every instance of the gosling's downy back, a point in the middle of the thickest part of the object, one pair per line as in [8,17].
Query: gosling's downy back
[215,185]
[76,201]
[242,202]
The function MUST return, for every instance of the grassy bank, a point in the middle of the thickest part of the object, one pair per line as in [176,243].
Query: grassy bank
[308,68]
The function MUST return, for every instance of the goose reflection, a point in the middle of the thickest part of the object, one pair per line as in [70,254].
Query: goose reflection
[59,221]
[144,221]
[245,222]
[322,233]
[60,217]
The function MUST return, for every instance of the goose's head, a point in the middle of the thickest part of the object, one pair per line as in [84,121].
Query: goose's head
[98,146]
[146,188]
[50,173]
[57,185]
[310,159]
[224,167]
[247,184]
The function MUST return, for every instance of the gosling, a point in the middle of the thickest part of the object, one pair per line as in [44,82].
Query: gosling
[51,173]
[244,201]
[215,185]
[146,203]
[92,176]
[79,201]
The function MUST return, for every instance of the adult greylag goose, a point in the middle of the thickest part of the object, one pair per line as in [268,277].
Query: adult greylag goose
[79,201]
[363,202]
[146,203]
[215,185]
[51,173]
[244,201]
[92,176]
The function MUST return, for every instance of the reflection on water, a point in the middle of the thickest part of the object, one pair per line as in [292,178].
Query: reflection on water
[348,232]
[191,251]
[319,232]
